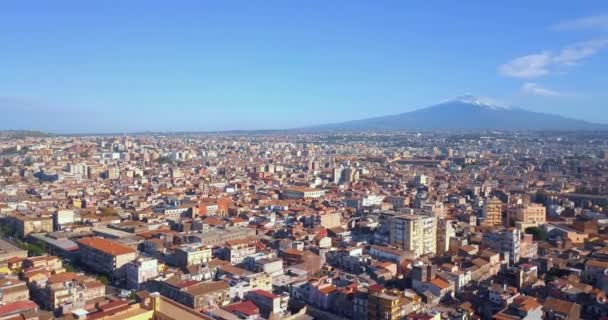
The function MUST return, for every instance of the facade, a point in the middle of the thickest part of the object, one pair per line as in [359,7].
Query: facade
[188,255]
[505,241]
[302,193]
[105,256]
[139,271]
[67,291]
[238,250]
[268,302]
[193,294]
[492,212]
[386,305]
[24,225]
[13,290]
[414,233]
[528,215]
[445,231]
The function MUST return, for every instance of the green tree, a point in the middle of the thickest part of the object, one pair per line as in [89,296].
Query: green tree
[103,279]
[537,233]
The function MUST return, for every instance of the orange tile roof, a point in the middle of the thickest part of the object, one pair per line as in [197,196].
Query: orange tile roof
[105,245]
[440,283]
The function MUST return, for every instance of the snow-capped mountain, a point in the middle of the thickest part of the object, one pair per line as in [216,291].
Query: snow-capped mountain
[467,113]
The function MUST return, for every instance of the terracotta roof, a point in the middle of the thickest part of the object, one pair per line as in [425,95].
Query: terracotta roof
[17,307]
[265,294]
[526,303]
[248,308]
[105,245]
[440,283]
[559,306]
[208,287]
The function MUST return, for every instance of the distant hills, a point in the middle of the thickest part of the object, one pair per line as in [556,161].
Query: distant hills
[466,113]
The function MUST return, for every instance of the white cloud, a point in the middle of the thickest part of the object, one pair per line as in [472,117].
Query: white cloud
[540,64]
[536,90]
[590,22]
[530,66]
[573,53]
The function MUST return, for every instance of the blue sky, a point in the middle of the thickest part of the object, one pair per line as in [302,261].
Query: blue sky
[125,66]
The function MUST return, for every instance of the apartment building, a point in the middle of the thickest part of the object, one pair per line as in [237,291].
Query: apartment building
[238,250]
[505,241]
[387,305]
[193,294]
[413,232]
[492,212]
[302,193]
[192,254]
[67,291]
[26,224]
[13,290]
[139,271]
[105,256]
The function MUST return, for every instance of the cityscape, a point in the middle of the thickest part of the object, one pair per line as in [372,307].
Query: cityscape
[303,160]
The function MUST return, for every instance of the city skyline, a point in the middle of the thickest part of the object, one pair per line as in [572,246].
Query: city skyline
[70,67]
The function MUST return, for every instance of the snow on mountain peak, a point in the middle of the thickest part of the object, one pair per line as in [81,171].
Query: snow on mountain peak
[482,102]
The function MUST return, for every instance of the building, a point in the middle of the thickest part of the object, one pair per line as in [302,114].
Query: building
[414,233]
[386,305]
[302,193]
[67,291]
[24,225]
[329,220]
[193,294]
[268,302]
[238,250]
[105,256]
[192,254]
[528,215]
[505,241]
[151,306]
[139,271]
[445,231]
[13,290]
[492,212]
[523,307]
[557,309]
[63,217]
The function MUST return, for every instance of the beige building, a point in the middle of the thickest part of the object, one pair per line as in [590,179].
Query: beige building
[330,220]
[13,290]
[414,233]
[67,291]
[302,192]
[105,256]
[24,225]
[188,255]
[528,215]
[492,212]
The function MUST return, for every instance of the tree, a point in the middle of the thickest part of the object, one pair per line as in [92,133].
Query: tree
[36,249]
[537,233]
[103,279]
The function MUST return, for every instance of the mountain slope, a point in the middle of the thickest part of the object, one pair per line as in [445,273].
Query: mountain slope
[467,113]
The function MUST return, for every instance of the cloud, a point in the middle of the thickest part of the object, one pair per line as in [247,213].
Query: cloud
[573,53]
[541,64]
[536,90]
[591,22]
[530,66]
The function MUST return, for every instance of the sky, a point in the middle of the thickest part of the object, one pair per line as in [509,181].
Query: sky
[117,66]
